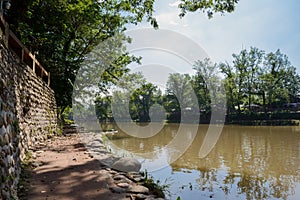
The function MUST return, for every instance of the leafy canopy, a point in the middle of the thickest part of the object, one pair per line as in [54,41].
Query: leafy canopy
[63,32]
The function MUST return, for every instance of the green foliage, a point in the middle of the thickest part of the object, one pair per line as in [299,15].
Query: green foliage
[253,82]
[142,99]
[159,189]
[103,108]
[62,32]
[207,6]
[206,84]
[179,92]
[67,115]
[115,104]
[257,78]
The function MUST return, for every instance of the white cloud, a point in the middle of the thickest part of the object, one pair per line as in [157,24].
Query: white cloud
[168,18]
[174,4]
[171,19]
[173,22]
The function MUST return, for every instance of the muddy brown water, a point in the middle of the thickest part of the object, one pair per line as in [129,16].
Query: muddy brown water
[259,162]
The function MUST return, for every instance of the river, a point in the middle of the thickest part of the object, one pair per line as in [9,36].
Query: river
[258,162]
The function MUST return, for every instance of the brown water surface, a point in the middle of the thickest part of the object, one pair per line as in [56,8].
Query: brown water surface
[245,163]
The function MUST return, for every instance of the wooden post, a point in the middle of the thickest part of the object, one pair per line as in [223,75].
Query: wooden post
[6,32]
[49,79]
[42,72]
[22,58]
[33,64]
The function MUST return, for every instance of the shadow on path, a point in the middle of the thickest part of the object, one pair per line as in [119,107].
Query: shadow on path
[65,171]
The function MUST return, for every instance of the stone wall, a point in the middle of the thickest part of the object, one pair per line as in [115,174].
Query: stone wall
[27,116]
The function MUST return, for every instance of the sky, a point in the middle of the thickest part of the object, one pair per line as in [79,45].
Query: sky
[266,24]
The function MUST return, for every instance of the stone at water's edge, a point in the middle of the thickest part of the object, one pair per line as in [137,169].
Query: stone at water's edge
[138,189]
[127,165]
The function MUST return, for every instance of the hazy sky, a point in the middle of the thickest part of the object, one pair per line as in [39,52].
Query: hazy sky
[266,24]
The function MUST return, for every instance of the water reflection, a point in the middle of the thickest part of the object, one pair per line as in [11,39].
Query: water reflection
[246,163]
[155,152]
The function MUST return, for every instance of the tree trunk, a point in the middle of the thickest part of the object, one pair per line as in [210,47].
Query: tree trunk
[264,101]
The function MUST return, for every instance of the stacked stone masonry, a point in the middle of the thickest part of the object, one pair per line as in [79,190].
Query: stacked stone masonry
[27,116]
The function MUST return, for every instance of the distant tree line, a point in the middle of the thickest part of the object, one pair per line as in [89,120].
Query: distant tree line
[255,82]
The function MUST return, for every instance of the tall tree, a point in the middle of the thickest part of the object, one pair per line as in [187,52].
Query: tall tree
[257,77]
[142,100]
[240,66]
[281,82]
[180,92]
[63,32]
[103,108]
[230,86]
[122,106]
[247,65]
[206,83]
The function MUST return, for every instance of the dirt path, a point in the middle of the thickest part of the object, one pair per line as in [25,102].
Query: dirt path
[64,170]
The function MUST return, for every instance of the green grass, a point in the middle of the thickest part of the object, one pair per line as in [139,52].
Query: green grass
[156,187]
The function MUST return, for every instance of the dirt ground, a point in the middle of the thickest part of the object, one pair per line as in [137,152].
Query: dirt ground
[64,170]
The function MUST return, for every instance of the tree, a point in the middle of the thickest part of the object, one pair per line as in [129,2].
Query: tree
[103,108]
[254,59]
[126,86]
[242,78]
[208,6]
[99,74]
[230,86]
[180,100]
[279,79]
[142,100]
[240,66]
[132,98]
[257,77]
[247,65]
[63,32]
[179,89]
[206,84]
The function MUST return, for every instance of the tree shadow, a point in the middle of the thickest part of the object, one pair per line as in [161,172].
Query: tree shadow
[78,179]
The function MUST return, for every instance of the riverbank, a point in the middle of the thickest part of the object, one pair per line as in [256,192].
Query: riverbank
[247,118]
[265,119]
[264,122]
[62,168]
